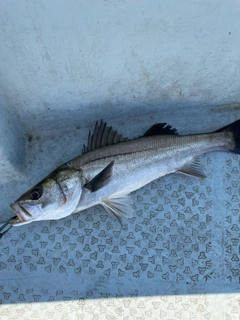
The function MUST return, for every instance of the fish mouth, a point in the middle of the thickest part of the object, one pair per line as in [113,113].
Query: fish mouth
[22,215]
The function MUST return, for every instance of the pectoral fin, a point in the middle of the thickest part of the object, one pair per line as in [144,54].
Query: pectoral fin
[193,168]
[118,205]
[101,179]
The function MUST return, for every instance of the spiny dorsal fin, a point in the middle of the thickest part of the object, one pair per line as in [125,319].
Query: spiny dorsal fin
[160,129]
[102,136]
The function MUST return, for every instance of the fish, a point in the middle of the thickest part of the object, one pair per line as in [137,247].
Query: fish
[111,167]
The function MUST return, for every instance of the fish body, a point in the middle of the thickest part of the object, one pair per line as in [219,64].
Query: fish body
[111,167]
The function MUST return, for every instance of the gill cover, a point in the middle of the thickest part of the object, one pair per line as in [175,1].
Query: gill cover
[53,198]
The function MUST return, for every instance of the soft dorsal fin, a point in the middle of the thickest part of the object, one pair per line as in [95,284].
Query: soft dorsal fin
[102,136]
[160,129]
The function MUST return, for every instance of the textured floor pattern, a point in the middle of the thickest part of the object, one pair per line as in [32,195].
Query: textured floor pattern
[183,238]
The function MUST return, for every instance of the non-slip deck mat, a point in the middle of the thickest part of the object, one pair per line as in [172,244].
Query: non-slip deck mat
[183,238]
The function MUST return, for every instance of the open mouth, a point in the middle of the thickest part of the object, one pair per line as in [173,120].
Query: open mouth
[22,214]
[14,220]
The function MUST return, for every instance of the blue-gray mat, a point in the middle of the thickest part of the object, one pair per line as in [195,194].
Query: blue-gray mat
[183,238]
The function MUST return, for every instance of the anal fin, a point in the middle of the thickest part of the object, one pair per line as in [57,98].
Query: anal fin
[192,168]
[118,205]
[101,179]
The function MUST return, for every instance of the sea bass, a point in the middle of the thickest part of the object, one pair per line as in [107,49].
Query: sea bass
[111,167]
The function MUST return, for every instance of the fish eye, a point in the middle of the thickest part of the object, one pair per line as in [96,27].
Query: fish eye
[36,194]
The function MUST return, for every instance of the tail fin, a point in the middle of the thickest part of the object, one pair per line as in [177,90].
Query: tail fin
[234,128]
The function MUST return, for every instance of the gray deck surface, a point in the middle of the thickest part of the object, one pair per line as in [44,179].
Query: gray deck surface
[66,64]
[183,238]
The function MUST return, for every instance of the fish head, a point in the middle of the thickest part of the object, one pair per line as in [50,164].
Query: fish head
[53,198]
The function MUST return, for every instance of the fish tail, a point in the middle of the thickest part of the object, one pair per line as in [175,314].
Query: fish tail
[233,128]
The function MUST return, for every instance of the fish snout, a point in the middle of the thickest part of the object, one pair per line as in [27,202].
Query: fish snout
[22,214]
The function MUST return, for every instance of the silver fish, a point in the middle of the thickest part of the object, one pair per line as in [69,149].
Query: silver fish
[111,167]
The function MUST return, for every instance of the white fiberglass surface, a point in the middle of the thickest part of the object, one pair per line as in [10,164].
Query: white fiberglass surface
[132,65]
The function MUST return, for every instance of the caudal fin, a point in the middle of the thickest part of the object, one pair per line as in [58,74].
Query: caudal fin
[234,128]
